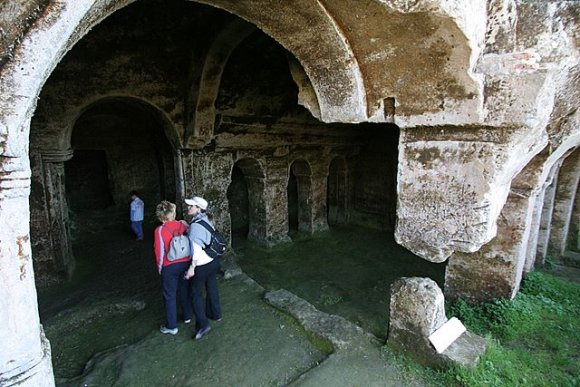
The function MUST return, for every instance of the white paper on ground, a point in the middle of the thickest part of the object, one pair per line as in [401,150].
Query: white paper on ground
[446,334]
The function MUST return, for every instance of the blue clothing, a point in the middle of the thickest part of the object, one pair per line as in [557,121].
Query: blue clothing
[199,234]
[137,210]
[172,278]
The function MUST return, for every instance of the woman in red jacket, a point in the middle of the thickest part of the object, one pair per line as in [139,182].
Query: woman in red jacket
[172,271]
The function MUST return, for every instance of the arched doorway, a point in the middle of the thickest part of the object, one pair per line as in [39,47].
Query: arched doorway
[246,201]
[119,145]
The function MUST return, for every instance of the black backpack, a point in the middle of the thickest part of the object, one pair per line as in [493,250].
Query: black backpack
[217,246]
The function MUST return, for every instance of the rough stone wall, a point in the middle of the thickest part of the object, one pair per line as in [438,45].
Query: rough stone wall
[371,60]
[507,257]
[56,262]
[209,175]
[17,16]
[524,78]
[374,195]
[504,89]
[125,69]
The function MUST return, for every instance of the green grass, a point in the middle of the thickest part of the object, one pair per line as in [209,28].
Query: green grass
[533,340]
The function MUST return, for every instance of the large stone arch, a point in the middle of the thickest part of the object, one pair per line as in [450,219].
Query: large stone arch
[155,124]
[200,131]
[364,70]
[327,52]
[345,100]
[346,63]
[58,131]
[497,268]
[26,352]
[51,149]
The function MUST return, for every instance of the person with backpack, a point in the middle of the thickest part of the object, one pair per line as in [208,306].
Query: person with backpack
[204,267]
[173,256]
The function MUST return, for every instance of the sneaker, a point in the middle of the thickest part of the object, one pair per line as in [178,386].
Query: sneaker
[188,321]
[202,332]
[164,329]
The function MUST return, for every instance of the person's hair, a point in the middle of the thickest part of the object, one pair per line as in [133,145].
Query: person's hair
[165,211]
[209,214]
[133,193]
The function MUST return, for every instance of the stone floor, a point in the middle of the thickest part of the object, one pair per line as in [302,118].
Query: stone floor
[103,326]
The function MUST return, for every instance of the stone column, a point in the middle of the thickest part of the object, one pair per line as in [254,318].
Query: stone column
[179,181]
[319,198]
[276,200]
[546,217]
[303,174]
[530,258]
[496,269]
[449,195]
[257,208]
[25,356]
[50,231]
[539,228]
[563,205]
[209,175]
[574,234]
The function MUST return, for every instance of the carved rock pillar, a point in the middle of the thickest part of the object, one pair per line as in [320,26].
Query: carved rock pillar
[541,218]
[25,356]
[51,240]
[574,234]
[546,220]
[276,201]
[496,269]
[209,175]
[568,179]
[304,182]
[319,198]
[534,231]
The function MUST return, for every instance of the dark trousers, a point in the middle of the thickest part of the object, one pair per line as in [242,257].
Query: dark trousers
[172,278]
[205,277]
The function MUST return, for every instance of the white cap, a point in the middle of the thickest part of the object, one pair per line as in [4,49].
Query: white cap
[197,201]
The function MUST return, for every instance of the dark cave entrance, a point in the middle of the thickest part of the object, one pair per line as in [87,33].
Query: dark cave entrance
[87,181]
[246,201]
[119,145]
